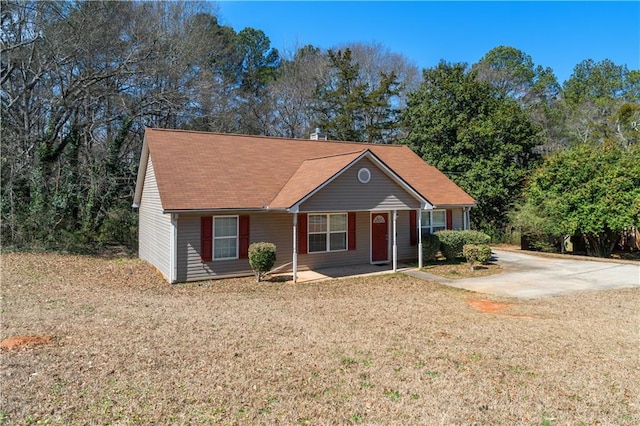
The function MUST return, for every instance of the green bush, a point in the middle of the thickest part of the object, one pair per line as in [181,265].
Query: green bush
[262,257]
[430,247]
[475,237]
[476,253]
[451,243]
[484,253]
[496,233]
[471,253]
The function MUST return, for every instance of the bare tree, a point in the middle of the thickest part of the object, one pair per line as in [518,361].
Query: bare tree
[375,60]
[80,80]
[292,93]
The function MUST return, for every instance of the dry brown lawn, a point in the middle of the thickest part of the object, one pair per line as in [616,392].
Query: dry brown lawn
[128,348]
[461,270]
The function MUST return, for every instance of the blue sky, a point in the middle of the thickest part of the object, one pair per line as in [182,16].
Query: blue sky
[555,34]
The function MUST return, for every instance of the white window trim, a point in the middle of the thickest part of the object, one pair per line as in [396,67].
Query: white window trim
[429,228]
[328,233]
[214,238]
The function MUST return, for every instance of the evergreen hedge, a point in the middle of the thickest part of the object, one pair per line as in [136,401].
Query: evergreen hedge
[430,247]
[452,242]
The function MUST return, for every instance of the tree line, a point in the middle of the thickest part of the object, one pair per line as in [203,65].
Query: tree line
[82,79]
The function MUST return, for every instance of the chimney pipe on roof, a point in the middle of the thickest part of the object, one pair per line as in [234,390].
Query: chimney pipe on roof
[318,135]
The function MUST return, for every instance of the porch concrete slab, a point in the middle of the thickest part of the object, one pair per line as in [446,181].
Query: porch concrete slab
[529,276]
[343,272]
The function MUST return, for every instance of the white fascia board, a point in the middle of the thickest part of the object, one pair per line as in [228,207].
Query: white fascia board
[142,172]
[453,206]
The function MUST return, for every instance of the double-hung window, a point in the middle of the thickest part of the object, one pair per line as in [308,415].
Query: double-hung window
[433,221]
[327,232]
[225,237]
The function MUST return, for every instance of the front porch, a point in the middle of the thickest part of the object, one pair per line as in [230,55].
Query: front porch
[340,272]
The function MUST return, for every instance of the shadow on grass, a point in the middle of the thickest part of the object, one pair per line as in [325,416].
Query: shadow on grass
[280,279]
[459,268]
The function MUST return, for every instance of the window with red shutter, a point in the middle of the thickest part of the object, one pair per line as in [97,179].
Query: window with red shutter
[243,237]
[302,233]
[449,219]
[206,239]
[329,232]
[352,230]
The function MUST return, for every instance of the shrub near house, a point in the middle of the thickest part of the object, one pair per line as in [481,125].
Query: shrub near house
[452,242]
[476,254]
[430,247]
[262,257]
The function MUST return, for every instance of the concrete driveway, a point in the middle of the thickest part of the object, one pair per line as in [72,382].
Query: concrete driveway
[530,276]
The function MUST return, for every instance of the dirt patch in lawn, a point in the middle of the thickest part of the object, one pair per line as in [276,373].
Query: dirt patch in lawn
[18,342]
[483,305]
[387,349]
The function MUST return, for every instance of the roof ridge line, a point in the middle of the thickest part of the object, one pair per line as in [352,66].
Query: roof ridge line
[338,155]
[279,138]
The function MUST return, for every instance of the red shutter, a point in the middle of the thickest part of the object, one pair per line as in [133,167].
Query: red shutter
[449,219]
[243,237]
[206,238]
[302,233]
[351,234]
[413,228]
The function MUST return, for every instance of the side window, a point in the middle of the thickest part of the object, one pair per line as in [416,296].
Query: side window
[433,221]
[225,237]
[438,220]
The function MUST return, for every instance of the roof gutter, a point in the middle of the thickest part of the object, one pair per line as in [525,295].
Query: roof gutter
[444,206]
[225,210]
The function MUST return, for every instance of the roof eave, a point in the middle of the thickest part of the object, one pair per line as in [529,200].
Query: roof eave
[452,205]
[226,210]
[142,172]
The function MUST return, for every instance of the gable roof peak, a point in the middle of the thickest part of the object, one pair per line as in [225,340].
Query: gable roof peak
[341,154]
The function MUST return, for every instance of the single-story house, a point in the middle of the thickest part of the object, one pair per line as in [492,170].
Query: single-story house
[203,198]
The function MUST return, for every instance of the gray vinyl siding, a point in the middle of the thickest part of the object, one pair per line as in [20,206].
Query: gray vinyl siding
[154,228]
[276,228]
[458,220]
[346,193]
[189,265]
[406,252]
[343,258]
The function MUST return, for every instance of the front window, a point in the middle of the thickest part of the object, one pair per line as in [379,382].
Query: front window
[327,232]
[433,221]
[225,237]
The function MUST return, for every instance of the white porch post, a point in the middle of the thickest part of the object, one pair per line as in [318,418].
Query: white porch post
[395,242]
[295,247]
[173,249]
[419,214]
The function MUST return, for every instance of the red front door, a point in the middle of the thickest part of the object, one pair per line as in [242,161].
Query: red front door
[379,237]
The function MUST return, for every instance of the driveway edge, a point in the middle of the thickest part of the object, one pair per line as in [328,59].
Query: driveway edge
[565,256]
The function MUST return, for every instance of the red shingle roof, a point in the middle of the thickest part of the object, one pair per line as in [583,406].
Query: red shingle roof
[209,171]
[311,174]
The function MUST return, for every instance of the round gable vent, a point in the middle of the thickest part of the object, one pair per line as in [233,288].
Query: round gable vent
[364,175]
